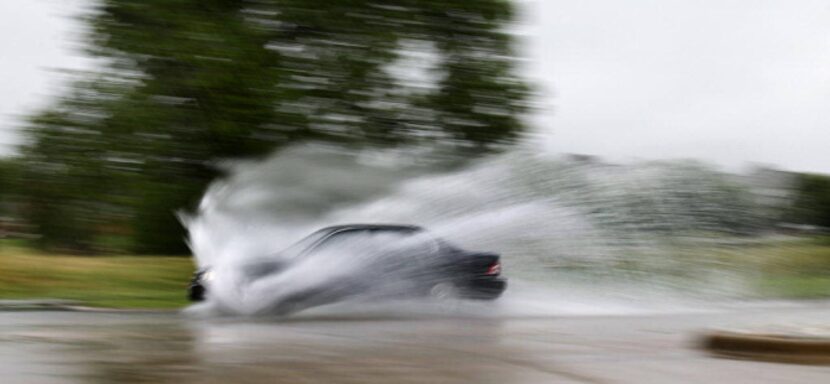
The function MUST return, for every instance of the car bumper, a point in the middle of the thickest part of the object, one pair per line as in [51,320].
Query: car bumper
[196,288]
[489,288]
[196,292]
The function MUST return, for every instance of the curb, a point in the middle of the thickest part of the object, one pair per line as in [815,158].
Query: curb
[69,306]
[37,305]
[784,348]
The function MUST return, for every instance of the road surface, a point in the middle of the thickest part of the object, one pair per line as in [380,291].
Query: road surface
[378,347]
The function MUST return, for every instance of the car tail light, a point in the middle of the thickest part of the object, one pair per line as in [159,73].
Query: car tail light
[494,269]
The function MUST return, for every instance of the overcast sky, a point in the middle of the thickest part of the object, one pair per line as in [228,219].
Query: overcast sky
[727,81]
[37,38]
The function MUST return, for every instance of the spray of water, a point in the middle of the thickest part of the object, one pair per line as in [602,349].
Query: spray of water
[595,236]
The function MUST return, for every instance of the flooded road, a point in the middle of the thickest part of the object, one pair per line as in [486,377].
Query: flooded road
[377,347]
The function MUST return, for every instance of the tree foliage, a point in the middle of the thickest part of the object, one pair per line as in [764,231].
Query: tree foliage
[189,82]
[812,201]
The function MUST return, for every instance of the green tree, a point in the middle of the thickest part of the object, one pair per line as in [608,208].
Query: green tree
[812,201]
[10,186]
[190,82]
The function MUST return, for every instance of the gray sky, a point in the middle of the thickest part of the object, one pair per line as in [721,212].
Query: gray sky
[727,81]
[37,38]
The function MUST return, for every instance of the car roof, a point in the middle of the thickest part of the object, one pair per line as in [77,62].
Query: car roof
[389,227]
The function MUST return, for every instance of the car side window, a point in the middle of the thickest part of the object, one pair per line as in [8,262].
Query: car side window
[411,245]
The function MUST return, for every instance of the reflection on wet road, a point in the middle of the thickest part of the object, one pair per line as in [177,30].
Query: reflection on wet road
[79,347]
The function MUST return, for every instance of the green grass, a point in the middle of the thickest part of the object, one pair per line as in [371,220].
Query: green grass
[796,287]
[103,281]
[793,269]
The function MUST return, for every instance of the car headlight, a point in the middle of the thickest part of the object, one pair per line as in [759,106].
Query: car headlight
[208,276]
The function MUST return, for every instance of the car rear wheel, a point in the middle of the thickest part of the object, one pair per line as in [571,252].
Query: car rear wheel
[444,291]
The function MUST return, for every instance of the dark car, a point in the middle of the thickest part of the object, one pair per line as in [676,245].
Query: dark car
[391,261]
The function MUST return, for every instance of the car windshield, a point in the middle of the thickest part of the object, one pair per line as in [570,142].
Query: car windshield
[297,248]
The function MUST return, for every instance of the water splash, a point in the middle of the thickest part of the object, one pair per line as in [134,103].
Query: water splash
[632,233]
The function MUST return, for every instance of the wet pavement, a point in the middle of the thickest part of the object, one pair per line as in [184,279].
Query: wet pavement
[378,347]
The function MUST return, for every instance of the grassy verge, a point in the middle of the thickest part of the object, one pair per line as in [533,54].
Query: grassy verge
[793,269]
[796,287]
[104,281]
